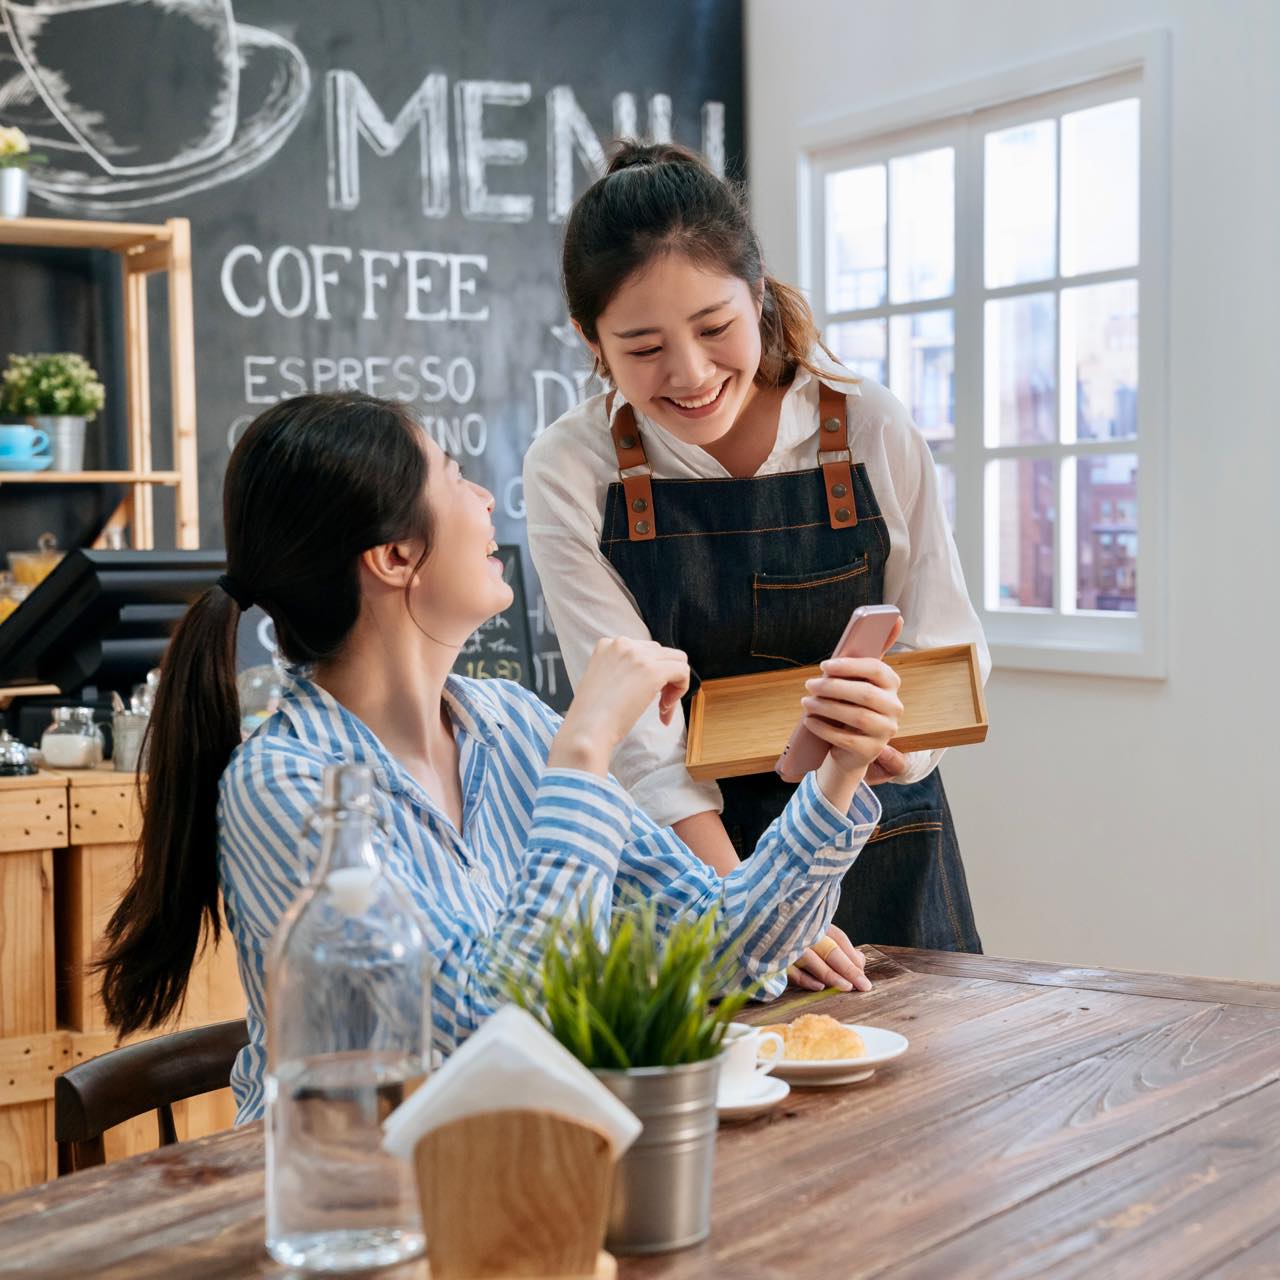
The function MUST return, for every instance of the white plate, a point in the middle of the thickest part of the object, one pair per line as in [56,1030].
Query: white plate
[767,1093]
[882,1046]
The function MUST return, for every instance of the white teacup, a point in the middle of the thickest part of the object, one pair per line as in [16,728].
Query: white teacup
[742,1063]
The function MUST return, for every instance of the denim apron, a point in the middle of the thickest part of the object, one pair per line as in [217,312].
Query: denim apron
[712,565]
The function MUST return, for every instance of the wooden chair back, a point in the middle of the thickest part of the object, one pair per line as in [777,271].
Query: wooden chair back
[97,1095]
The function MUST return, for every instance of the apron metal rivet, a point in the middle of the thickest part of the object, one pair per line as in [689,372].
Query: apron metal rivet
[843,513]
[639,505]
[838,490]
[831,424]
[627,442]
[642,526]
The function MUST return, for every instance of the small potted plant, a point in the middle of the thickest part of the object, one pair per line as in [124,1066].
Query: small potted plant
[15,157]
[56,393]
[647,1011]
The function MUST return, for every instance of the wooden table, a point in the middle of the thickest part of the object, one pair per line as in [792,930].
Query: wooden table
[1045,1122]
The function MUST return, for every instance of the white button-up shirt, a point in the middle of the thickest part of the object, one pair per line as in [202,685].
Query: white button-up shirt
[567,473]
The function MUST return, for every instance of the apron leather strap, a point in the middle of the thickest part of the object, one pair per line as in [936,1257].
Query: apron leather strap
[637,488]
[835,459]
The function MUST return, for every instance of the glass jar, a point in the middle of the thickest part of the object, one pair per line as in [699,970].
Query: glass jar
[128,731]
[31,568]
[15,760]
[12,593]
[349,1035]
[72,740]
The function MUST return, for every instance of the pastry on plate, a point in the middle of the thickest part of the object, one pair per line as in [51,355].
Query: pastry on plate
[817,1037]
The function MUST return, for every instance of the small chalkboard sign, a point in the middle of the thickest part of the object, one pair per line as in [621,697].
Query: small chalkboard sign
[502,648]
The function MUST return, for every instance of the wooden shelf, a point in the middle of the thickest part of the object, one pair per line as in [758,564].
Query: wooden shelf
[71,233]
[145,249]
[9,692]
[89,477]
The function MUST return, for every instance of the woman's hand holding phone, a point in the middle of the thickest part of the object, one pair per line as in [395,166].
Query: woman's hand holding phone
[853,707]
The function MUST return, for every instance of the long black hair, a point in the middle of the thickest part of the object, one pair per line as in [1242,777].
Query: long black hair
[313,483]
[658,198]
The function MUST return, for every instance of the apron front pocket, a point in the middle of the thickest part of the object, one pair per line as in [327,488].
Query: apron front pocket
[798,618]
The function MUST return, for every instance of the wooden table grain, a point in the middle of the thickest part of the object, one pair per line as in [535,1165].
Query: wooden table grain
[1046,1122]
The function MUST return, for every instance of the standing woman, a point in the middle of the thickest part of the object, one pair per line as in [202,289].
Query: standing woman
[736,494]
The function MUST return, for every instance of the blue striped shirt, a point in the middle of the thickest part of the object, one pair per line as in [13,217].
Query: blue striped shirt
[535,842]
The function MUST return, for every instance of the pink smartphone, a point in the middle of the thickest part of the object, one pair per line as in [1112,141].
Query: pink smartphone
[865,636]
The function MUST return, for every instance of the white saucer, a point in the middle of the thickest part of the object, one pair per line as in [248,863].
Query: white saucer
[767,1093]
[882,1046]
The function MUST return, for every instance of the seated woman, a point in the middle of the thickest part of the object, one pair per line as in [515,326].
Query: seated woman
[373,556]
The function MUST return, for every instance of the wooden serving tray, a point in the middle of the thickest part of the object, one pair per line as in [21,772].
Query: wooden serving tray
[740,724]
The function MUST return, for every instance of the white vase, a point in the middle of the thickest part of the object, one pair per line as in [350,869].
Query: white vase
[13,192]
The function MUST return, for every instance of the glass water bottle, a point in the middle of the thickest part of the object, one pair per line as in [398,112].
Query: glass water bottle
[349,1034]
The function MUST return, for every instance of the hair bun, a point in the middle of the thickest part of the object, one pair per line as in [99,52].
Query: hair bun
[629,153]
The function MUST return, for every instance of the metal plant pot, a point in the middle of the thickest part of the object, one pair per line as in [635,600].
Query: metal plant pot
[66,439]
[662,1186]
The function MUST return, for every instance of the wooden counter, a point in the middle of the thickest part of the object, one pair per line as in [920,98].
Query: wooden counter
[67,844]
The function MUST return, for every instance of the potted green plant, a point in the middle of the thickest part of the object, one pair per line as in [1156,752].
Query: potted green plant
[15,157]
[57,393]
[647,1010]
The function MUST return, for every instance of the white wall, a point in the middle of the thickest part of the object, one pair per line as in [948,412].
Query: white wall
[1115,822]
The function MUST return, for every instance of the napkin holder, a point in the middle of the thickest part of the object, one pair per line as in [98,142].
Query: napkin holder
[740,724]
[509,1194]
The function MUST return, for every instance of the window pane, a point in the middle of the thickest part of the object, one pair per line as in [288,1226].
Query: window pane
[1107,532]
[1100,188]
[855,238]
[1100,358]
[1021,512]
[1021,190]
[860,344]
[922,201]
[1020,370]
[922,367]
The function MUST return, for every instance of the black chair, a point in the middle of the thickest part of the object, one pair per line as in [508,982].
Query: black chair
[114,1087]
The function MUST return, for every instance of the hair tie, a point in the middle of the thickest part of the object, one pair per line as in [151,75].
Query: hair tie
[236,590]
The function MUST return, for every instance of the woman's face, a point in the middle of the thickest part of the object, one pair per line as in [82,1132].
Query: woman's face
[460,585]
[683,345]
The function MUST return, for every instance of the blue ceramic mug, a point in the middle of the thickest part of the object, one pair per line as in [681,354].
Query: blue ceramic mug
[17,440]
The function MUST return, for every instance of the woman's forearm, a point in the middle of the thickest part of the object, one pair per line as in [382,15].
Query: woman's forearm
[839,785]
[704,833]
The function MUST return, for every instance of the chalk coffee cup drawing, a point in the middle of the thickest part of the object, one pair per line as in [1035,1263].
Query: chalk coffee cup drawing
[191,45]
[220,98]
[742,1064]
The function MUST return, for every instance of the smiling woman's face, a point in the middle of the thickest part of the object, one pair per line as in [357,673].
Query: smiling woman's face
[682,343]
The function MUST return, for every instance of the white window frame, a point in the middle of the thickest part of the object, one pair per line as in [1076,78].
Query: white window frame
[1095,643]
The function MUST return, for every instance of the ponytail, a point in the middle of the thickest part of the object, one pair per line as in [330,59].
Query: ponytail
[788,335]
[155,933]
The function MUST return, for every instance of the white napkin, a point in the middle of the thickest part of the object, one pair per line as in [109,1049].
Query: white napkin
[512,1063]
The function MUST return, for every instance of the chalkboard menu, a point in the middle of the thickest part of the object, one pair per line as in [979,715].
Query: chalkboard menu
[376,190]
